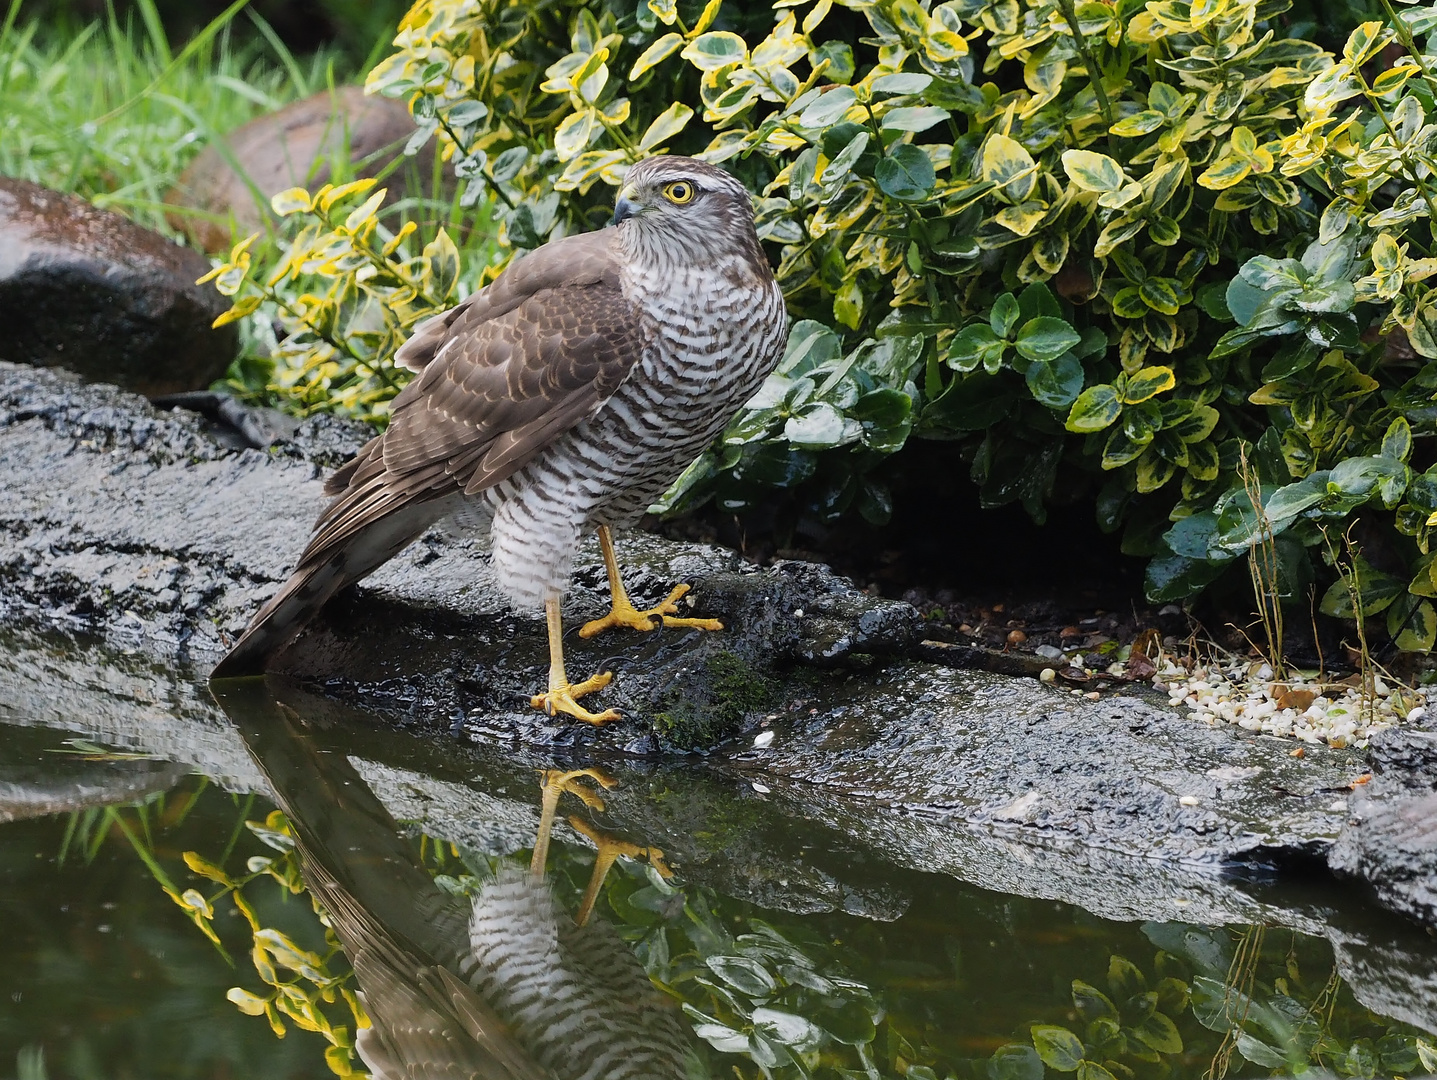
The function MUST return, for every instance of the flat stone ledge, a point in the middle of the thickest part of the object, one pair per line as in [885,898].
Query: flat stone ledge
[141,529]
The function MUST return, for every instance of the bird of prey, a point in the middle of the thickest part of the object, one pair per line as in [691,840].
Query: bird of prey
[565,396]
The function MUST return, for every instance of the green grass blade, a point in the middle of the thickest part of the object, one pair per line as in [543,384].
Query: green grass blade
[198,42]
[296,73]
[156,29]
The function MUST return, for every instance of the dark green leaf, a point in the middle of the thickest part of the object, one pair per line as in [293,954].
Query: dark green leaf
[905,173]
[1045,338]
[1259,1052]
[1375,590]
[1091,1002]
[883,408]
[744,974]
[1057,383]
[1005,314]
[1058,1047]
[975,345]
[1176,577]
[1124,979]
[1160,1033]
[1014,1062]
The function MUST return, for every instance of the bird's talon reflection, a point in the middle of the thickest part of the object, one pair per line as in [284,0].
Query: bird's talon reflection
[610,849]
[553,783]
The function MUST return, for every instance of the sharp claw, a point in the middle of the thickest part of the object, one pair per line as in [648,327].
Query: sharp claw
[661,614]
[562,699]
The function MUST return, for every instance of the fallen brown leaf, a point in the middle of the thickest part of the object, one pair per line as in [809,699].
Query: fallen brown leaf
[1149,643]
[1296,699]
[1139,667]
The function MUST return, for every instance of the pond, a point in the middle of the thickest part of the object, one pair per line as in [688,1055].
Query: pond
[292,888]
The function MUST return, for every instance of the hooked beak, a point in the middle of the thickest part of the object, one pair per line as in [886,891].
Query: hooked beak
[624,208]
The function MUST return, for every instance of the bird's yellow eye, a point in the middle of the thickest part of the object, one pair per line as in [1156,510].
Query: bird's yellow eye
[679,192]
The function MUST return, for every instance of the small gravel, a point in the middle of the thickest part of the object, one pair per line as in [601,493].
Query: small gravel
[1246,694]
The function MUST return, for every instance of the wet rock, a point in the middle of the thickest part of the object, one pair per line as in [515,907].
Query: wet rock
[138,527]
[1390,841]
[85,289]
[294,148]
[39,776]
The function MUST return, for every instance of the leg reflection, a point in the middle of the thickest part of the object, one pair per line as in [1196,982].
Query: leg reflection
[553,783]
[610,848]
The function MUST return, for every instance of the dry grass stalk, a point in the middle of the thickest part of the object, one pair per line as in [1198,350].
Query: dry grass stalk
[1262,566]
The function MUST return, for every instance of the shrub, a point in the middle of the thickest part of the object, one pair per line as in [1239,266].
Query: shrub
[1114,251]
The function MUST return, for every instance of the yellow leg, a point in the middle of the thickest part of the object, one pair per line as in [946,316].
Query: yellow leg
[610,848]
[553,783]
[625,614]
[561,696]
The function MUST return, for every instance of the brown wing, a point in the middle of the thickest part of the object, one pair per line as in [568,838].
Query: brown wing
[508,374]
[585,259]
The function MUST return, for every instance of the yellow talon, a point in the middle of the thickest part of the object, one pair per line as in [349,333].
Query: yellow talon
[553,783]
[562,699]
[625,614]
[610,848]
[562,695]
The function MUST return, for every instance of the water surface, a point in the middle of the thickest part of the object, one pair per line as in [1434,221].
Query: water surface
[367,902]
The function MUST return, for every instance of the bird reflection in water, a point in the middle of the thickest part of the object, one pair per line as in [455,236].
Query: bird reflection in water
[506,985]
[570,987]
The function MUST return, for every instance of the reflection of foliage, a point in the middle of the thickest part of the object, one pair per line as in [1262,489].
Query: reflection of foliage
[778,996]
[313,984]
[1283,1022]
[786,1001]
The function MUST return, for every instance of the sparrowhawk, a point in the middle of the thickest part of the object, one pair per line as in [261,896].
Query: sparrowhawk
[565,396]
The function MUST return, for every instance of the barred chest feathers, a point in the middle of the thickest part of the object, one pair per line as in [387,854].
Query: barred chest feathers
[715,334]
[708,354]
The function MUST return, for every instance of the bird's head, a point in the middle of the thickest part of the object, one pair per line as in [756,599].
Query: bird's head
[686,206]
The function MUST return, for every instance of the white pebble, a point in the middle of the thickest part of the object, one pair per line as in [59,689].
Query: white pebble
[1189,800]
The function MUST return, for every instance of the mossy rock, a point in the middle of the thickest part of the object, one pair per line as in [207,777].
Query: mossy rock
[713,705]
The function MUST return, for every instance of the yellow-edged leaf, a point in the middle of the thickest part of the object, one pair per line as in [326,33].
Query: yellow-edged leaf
[710,13]
[293,200]
[716,49]
[343,191]
[656,53]
[1149,382]
[666,125]
[242,307]
[1008,164]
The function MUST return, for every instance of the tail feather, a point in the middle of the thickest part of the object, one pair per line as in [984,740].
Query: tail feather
[280,621]
[324,569]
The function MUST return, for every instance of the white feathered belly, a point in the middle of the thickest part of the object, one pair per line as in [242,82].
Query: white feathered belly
[609,469]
